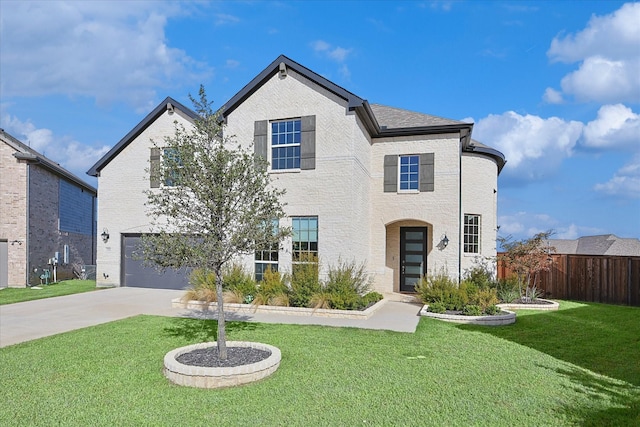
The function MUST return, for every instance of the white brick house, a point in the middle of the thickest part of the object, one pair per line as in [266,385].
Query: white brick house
[364,182]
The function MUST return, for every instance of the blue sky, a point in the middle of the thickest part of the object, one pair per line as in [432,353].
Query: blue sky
[555,86]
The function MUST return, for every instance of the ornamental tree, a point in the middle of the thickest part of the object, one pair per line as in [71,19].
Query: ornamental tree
[215,202]
[527,258]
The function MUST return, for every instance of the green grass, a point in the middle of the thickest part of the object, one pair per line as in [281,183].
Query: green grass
[444,374]
[67,287]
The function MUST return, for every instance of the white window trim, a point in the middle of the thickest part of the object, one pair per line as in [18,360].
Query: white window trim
[270,145]
[479,234]
[408,191]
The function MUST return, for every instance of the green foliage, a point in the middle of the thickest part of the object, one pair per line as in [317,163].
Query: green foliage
[486,298]
[508,289]
[371,298]
[304,280]
[435,287]
[492,310]
[202,286]
[347,282]
[437,307]
[320,300]
[472,310]
[481,274]
[236,278]
[272,289]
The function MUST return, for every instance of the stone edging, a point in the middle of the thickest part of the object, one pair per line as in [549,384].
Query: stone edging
[546,307]
[270,309]
[497,320]
[205,377]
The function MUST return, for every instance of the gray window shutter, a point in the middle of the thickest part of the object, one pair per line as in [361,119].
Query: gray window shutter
[426,171]
[260,138]
[154,168]
[308,143]
[390,174]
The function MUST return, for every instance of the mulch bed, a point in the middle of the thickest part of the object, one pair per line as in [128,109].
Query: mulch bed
[236,356]
[537,301]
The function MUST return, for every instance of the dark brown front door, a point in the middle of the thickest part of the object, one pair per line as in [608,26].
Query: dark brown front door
[413,256]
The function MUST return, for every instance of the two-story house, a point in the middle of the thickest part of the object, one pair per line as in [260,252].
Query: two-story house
[47,217]
[403,192]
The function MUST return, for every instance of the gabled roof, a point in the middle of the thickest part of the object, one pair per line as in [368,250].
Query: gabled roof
[606,244]
[168,103]
[379,120]
[27,154]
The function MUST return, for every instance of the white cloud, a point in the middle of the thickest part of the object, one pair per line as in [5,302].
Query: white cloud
[338,54]
[70,154]
[226,19]
[92,49]
[232,63]
[523,225]
[625,183]
[552,96]
[609,57]
[616,126]
[534,147]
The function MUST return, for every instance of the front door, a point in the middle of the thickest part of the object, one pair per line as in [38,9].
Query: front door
[413,256]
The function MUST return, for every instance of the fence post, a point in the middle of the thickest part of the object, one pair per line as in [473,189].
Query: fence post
[629,281]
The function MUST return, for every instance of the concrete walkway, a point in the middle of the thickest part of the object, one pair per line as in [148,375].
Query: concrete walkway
[36,319]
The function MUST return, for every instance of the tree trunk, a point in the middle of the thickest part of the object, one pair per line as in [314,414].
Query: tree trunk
[222,335]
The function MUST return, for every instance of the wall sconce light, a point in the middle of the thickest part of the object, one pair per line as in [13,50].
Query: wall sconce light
[105,235]
[444,241]
[19,242]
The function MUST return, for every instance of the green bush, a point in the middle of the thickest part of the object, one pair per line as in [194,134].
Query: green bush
[348,277]
[486,298]
[304,281]
[472,310]
[481,274]
[435,287]
[371,298]
[202,286]
[345,300]
[237,279]
[492,310]
[437,307]
[508,289]
[272,290]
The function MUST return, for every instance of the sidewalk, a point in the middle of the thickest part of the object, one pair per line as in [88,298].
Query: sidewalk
[29,320]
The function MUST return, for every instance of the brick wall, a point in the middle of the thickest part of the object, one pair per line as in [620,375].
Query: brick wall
[13,213]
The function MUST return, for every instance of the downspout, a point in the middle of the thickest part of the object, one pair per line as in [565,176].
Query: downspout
[460,236]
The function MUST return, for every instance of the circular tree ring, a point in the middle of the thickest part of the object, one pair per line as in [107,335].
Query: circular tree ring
[207,377]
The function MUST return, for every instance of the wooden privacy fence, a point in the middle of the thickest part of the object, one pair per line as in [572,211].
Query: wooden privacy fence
[595,278]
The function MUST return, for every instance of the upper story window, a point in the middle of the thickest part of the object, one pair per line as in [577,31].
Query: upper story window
[409,168]
[166,173]
[289,145]
[410,173]
[471,234]
[285,144]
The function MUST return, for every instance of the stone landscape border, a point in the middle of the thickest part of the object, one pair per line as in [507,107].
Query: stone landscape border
[205,377]
[271,309]
[547,306]
[498,320]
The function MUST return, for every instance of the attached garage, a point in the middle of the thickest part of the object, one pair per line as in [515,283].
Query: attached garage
[137,275]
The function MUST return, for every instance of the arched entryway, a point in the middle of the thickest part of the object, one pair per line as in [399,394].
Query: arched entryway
[408,244]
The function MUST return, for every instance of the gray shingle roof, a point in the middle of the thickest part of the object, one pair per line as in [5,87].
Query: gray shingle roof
[392,117]
[606,244]
[28,154]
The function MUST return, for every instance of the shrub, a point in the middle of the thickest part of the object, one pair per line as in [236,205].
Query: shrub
[202,286]
[320,300]
[492,310]
[304,281]
[486,298]
[237,279]
[371,298]
[345,300]
[272,287]
[481,274]
[437,307]
[233,296]
[348,277]
[472,310]
[434,287]
[508,289]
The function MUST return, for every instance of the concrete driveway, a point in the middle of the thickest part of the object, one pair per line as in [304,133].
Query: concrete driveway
[36,319]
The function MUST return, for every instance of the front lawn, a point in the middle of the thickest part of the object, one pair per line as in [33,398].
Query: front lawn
[444,374]
[67,287]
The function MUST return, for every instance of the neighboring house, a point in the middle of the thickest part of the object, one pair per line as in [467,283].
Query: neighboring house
[46,214]
[403,192]
[606,244]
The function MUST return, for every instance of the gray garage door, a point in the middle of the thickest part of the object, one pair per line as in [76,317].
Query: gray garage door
[138,276]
